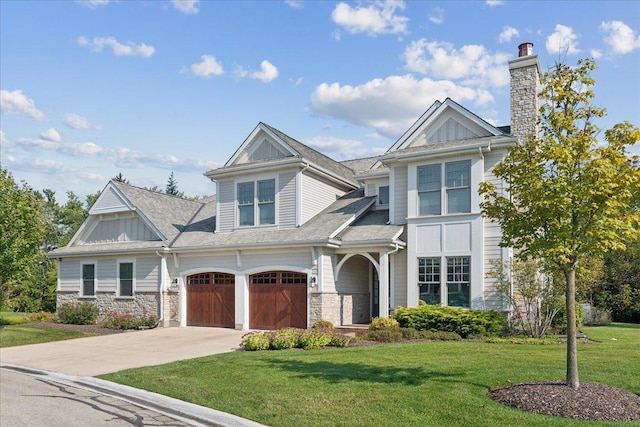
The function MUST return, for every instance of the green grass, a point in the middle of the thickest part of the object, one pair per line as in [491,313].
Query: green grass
[13,335]
[11,318]
[421,384]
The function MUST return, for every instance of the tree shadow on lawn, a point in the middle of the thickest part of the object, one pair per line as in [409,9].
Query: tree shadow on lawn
[341,372]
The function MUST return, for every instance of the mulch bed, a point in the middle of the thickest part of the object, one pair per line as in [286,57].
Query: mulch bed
[591,401]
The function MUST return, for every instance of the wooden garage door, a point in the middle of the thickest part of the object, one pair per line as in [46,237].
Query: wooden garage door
[211,300]
[277,299]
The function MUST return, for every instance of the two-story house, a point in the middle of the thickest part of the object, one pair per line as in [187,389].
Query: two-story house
[293,236]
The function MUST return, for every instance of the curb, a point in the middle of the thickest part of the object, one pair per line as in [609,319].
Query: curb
[184,411]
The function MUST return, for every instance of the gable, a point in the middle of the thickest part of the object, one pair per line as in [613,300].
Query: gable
[118,229]
[262,144]
[265,150]
[109,201]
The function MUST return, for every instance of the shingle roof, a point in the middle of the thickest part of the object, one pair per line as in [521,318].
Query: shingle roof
[371,226]
[361,165]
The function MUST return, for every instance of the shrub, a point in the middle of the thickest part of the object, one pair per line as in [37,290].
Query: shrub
[339,340]
[12,319]
[255,341]
[42,316]
[284,338]
[148,320]
[465,323]
[313,339]
[385,335]
[322,324]
[78,313]
[378,323]
[127,320]
[560,321]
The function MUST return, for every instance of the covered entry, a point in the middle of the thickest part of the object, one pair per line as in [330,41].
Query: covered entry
[211,300]
[277,299]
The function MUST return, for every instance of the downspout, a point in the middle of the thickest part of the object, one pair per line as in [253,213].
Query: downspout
[162,263]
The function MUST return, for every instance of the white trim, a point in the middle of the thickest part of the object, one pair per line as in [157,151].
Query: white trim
[134,272]
[251,139]
[256,208]
[93,262]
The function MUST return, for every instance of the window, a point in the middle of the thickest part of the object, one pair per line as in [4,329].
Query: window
[383,195]
[429,186]
[458,282]
[429,280]
[267,201]
[262,196]
[125,279]
[458,187]
[88,280]
[246,210]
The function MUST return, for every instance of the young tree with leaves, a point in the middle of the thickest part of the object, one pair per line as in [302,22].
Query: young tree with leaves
[566,196]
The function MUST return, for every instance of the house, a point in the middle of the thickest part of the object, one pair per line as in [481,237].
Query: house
[293,236]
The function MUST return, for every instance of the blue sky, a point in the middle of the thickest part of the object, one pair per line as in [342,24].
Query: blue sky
[94,88]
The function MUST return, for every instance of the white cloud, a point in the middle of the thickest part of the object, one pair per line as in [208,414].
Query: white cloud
[4,142]
[340,149]
[15,102]
[119,49]
[296,4]
[76,121]
[189,7]
[437,17]
[207,67]
[376,18]
[296,82]
[562,41]
[492,3]
[388,105]
[596,53]
[507,34]
[620,37]
[51,135]
[92,4]
[472,63]
[267,73]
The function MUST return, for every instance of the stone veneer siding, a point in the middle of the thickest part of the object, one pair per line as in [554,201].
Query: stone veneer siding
[340,309]
[107,302]
[525,88]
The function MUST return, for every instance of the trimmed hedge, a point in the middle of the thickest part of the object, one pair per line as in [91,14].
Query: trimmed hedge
[466,323]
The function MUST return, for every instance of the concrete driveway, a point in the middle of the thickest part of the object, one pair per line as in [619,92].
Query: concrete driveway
[110,353]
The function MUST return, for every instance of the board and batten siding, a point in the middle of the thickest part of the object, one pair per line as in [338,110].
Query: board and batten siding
[287,199]
[400,191]
[121,230]
[400,279]
[492,237]
[226,206]
[316,195]
[354,276]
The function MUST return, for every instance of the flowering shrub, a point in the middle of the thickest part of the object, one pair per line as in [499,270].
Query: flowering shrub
[79,313]
[127,320]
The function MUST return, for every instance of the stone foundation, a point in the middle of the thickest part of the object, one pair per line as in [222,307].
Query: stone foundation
[340,309]
[143,303]
[171,305]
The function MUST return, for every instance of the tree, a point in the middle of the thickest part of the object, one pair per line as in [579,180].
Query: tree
[120,178]
[23,228]
[566,196]
[172,187]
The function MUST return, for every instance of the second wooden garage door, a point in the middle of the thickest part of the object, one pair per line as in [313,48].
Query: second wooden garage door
[211,300]
[278,299]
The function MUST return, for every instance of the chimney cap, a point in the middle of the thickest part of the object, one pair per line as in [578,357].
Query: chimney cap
[525,49]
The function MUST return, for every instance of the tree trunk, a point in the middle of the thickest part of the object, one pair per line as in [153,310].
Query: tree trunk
[572,341]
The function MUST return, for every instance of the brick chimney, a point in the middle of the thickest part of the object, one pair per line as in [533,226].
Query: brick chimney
[525,86]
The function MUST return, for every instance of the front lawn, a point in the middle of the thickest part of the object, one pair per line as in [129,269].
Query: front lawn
[13,335]
[420,384]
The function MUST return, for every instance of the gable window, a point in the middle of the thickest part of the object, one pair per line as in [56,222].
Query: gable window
[88,280]
[458,282]
[257,199]
[246,211]
[125,279]
[458,187]
[383,195]
[429,280]
[429,187]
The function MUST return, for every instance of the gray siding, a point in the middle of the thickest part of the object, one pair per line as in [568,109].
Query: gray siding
[226,205]
[147,277]
[206,262]
[69,275]
[109,200]
[317,194]
[287,199]
[106,273]
[354,276]
[400,279]
[121,230]
[399,188]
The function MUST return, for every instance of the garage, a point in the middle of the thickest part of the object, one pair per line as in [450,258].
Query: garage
[277,299]
[211,300]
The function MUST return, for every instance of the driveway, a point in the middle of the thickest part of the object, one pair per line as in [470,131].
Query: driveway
[110,353]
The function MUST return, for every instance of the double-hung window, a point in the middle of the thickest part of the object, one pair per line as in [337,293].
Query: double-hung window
[125,279]
[429,280]
[383,195]
[429,187]
[257,200]
[458,282]
[88,280]
[458,175]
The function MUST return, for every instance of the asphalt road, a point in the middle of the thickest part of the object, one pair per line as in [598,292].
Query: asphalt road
[28,400]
